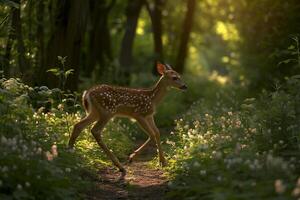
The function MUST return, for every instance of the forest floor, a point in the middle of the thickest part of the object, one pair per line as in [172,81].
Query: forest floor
[141,182]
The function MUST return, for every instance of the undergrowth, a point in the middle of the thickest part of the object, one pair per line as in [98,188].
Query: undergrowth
[35,125]
[238,149]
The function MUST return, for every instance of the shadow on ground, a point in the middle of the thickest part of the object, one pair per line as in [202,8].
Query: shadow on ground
[141,182]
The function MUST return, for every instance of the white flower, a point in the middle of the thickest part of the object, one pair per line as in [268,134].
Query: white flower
[49,156]
[196,164]
[19,187]
[279,186]
[296,192]
[27,184]
[68,170]
[203,172]
[3,139]
[54,150]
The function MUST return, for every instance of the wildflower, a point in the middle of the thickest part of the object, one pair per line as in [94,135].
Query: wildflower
[196,164]
[203,172]
[49,156]
[60,107]
[281,142]
[68,170]
[279,186]
[3,139]
[27,184]
[54,151]
[19,187]
[298,182]
[296,192]
[253,130]
[230,113]
[39,150]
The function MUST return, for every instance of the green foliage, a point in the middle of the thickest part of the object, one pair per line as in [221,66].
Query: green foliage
[61,73]
[250,152]
[34,162]
[10,3]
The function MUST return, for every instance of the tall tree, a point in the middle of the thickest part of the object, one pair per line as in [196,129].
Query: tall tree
[66,39]
[40,36]
[8,47]
[17,33]
[155,12]
[99,47]
[132,15]
[185,35]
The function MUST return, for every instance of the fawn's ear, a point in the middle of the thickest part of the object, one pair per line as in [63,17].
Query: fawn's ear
[161,68]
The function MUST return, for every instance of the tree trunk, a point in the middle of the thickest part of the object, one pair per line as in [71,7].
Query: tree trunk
[99,50]
[16,24]
[66,40]
[10,38]
[184,39]
[40,34]
[155,13]
[132,14]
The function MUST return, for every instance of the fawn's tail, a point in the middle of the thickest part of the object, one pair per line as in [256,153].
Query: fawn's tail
[85,101]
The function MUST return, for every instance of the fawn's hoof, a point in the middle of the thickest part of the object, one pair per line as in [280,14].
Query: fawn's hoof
[130,158]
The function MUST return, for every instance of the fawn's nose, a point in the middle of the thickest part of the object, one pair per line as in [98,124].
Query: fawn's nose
[183,87]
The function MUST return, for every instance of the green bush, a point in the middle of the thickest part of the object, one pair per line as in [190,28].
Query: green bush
[236,150]
[34,162]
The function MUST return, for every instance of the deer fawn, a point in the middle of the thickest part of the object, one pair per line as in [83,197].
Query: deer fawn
[102,102]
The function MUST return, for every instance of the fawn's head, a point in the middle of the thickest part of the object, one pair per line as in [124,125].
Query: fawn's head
[171,77]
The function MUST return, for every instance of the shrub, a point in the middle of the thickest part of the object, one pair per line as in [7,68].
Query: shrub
[235,150]
[34,161]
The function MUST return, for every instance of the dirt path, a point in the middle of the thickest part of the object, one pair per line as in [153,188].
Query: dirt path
[141,182]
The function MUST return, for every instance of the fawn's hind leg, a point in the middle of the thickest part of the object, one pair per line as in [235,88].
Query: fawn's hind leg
[78,127]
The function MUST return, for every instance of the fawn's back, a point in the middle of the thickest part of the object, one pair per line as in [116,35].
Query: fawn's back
[121,100]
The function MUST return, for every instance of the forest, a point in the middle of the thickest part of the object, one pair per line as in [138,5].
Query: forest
[233,134]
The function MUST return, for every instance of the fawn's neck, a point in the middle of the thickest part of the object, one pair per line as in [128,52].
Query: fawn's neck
[159,90]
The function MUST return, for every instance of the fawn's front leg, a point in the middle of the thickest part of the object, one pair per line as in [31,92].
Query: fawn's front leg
[147,123]
[154,128]
[96,131]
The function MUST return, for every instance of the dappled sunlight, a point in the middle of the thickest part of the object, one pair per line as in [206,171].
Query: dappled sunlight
[141,27]
[214,84]
[227,31]
[221,79]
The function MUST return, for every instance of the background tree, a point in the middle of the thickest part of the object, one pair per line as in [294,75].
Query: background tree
[66,39]
[132,15]
[185,35]
[155,12]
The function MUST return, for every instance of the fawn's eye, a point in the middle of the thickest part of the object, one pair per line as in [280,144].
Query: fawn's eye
[175,78]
